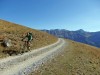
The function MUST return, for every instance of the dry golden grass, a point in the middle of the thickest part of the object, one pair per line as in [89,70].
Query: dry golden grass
[16,32]
[77,59]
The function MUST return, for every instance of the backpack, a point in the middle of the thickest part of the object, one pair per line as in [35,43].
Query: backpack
[31,36]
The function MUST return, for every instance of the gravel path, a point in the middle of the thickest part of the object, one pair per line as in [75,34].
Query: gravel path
[28,62]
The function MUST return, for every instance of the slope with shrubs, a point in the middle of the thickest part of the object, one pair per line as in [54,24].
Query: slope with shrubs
[77,59]
[16,32]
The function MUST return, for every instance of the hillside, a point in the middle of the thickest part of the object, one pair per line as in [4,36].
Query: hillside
[76,59]
[91,38]
[16,32]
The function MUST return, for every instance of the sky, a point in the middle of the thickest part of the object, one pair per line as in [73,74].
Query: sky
[53,14]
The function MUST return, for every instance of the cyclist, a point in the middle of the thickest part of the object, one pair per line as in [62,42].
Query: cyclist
[28,40]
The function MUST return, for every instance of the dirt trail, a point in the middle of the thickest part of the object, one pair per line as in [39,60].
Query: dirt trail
[24,64]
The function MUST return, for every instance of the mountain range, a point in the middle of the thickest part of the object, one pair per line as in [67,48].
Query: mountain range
[73,58]
[91,38]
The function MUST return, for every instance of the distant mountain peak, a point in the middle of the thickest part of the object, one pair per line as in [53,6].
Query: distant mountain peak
[81,30]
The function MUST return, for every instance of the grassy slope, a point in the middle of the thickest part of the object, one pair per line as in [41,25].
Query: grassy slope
[77,59]
[16,32]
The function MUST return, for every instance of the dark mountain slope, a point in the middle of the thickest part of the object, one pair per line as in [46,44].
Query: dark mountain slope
[91,38]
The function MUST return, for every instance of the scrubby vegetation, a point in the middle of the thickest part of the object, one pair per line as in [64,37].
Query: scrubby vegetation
[15,33]
[77,59]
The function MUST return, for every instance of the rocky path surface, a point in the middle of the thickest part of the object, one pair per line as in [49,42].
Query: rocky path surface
[24,64]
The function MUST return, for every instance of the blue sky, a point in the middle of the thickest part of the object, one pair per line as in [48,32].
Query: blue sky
[53,14]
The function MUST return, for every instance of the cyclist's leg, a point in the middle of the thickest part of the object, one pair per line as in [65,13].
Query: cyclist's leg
[28,45]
